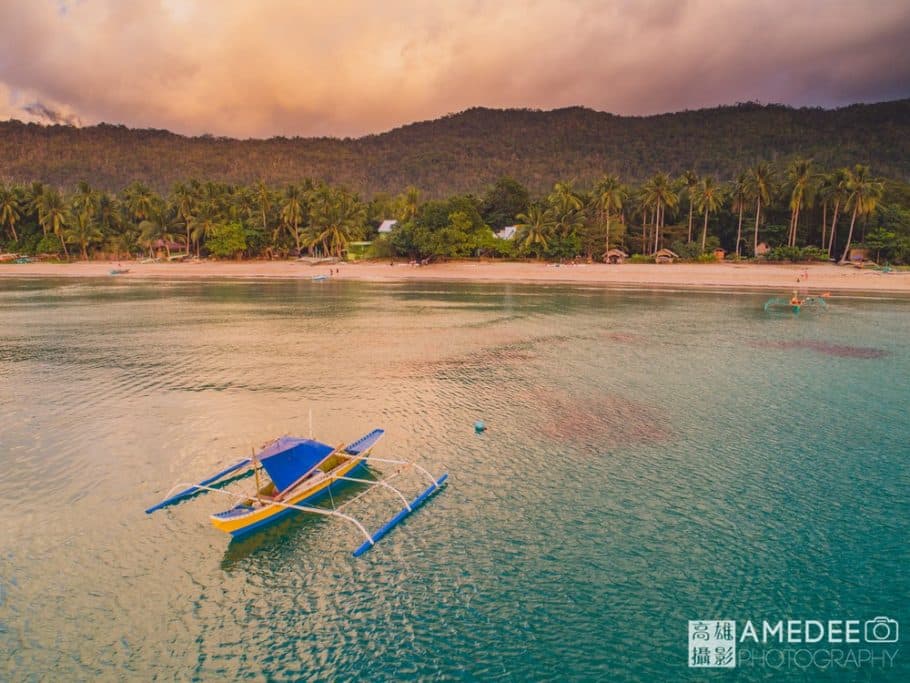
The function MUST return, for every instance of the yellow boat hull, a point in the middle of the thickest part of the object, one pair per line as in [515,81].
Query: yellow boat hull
[245,519]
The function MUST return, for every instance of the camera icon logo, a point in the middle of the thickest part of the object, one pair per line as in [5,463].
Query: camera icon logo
[881,630]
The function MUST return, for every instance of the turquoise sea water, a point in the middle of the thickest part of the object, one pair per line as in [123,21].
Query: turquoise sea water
[651,458]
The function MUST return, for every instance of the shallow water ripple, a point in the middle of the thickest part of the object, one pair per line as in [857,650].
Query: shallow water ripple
[650,459]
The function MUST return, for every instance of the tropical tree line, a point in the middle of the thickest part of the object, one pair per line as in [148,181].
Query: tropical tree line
[796,208]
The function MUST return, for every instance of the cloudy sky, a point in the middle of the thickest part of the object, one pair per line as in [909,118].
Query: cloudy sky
[257,68]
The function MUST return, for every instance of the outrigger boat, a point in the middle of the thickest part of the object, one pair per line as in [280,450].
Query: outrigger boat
[300,472]
[794,304]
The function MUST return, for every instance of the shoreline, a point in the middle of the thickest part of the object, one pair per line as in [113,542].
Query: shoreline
[686,276]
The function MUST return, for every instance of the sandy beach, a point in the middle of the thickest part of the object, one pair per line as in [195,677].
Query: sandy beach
[821,277]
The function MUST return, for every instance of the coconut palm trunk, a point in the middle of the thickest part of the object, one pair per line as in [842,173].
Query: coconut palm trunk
[833,229]
[824,222]
[843,259]
[704,233]
[644,232]
[657,226]
[690,218]
[607,239]
[794,226]
[757,219]
[739,228]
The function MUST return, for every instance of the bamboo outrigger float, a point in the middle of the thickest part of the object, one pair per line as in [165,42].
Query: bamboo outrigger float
[300,472]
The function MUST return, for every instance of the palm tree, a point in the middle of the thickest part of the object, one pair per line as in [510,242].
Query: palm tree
[566,205]
[761,179]
[263,197]
[9,209]
[535,229]
[839,195]
[242,205]
[645,207]
[83,231]
[52,214]
[160,225]
[35,190]
[84,199]
[659,194]
[126,241]
[825,190]
[710,198]
[609,196]
[410,203]
[336,216]
[185,204]
[865,194]
[799,176]
[202,224]
[138,200]
[108,213]
[689,181]
[740,195]
[292,210]
[564,199]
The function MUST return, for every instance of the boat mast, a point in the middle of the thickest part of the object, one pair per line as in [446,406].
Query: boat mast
[255,471]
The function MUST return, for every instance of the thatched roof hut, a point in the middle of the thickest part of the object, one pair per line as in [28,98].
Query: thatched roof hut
[665,256]
[615,256]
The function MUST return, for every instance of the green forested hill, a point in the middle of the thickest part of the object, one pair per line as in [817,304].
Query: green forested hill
[468,151]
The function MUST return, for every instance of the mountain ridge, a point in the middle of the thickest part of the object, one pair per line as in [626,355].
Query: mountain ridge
[469,150]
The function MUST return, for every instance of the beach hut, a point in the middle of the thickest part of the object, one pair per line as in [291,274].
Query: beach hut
[161,248]
[665,256]
[719,254]
[762,249]
[507,232]
[615,256]
[386,226]
[858,255]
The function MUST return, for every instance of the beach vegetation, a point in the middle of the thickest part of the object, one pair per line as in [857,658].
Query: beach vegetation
[797,208]
[503,201]
[227,240]
[796,254]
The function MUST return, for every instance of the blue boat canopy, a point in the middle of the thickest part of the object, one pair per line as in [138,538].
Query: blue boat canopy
[288,458]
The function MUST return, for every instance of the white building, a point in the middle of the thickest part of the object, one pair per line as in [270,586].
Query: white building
[386,226]
[507,232]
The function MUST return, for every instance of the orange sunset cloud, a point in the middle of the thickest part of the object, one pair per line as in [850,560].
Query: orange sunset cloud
[273,67]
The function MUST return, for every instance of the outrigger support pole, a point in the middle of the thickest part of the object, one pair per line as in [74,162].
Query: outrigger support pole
[367,458]
[377,482]
[388,526]
[195,488]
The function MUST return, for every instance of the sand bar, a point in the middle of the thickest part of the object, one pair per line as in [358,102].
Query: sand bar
[821,277]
